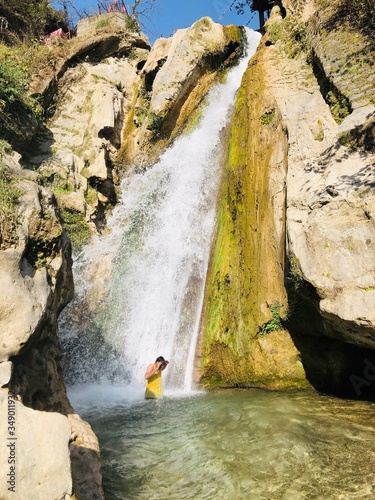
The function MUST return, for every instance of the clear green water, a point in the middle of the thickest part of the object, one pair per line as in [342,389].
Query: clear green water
[237,444]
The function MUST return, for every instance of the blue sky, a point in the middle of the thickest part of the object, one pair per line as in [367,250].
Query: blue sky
[171,15]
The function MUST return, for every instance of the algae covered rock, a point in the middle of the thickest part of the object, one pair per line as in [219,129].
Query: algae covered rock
[243,340]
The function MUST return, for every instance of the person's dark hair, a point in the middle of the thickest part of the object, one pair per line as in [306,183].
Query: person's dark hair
[161,359]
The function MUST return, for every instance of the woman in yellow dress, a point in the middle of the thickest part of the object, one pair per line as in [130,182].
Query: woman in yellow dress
[154,388]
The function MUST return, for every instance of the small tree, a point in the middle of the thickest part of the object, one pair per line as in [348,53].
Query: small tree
[142,9]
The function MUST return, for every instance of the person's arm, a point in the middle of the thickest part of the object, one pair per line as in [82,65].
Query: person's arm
[152,369]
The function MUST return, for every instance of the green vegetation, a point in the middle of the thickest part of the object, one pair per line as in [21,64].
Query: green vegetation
[73,221]
[14,82]
[339,105]
[10,195]
[155,121]
[132,24]
[295,276]
[275,323]
[275,32]
[267,117]
[76,227]
[56,183]
[102,22]
[143,111]
[319,134]
[91,195]
[5,147]
[31,18]
[291,31]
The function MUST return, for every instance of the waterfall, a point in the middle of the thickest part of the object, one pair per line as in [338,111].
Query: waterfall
[152,265]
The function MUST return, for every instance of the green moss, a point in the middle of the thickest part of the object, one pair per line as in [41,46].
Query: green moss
[246,268]
[91,195]
[291,32]
[234,33]
[274,32]
[195,119]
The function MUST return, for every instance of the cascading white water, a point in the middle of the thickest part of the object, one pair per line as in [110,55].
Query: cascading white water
[159,249]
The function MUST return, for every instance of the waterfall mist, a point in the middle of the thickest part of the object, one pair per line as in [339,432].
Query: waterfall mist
[139,290]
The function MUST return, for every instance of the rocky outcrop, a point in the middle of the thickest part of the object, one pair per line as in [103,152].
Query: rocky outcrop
[330,208]
[175,79]
[37,283]
[103,42]
[37,280]
[105,86]
[92,84]
[324,171]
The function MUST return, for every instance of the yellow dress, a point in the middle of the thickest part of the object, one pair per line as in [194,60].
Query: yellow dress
[154,387]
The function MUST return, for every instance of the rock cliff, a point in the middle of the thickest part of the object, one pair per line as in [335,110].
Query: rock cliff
[294,254]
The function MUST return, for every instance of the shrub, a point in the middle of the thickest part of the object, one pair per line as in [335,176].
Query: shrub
[275,323]
[32,17]
[156,121]
[102,22]
[267,117]
[76,227]
[132,24]
[14,97]
[339,105]
[10,195]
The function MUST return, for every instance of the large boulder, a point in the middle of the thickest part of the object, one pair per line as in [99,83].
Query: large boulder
[35,457]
